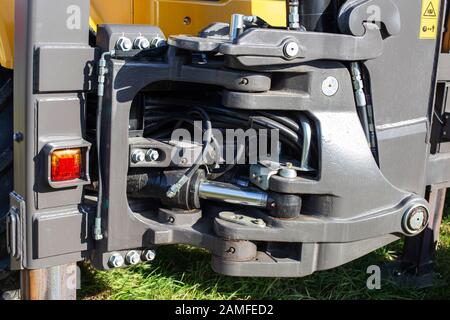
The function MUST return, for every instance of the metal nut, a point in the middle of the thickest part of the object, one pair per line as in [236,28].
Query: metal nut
[158,42]
[148,255]
[124,44]
[137,156]
[133,257]
[288,172]
[141,43]
[152,155]
[116,260]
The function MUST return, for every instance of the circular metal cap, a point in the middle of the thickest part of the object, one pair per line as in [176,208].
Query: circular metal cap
[330,86]
[291,49]
[415,219]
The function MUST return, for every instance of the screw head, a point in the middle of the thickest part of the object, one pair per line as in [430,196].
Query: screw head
[141,43]
[116,260]
[133,257]
[124,44]
[149,255]
[330,86]
[291,49]
[137,156]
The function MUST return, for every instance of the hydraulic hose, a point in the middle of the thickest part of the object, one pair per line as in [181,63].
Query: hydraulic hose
[102,71]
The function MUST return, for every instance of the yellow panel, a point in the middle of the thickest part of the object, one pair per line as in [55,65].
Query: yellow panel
[189,17]
[173,16]
[6,33]
[111,11]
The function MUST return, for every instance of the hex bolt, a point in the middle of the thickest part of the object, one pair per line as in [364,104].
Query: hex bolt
[133,257]
[116,260]
[149,255]
[152,155]
[158,42]
[124,44]
[291,49]
[141,43]
[137,156]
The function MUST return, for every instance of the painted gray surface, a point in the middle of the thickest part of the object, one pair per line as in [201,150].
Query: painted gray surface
[35,28]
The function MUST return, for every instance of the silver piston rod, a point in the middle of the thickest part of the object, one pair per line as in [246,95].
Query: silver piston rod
[229,193]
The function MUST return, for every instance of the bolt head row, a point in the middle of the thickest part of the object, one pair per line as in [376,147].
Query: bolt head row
[139,155]
[140,43]
[133,257]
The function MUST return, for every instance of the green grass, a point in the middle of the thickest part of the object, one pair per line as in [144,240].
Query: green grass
[182,272]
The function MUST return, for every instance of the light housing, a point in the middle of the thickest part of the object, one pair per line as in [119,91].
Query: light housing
[67,163]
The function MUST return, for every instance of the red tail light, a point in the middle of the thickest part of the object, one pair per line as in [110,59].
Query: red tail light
[66,164]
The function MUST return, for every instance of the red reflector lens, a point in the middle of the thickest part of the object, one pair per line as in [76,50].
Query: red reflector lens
[66,164]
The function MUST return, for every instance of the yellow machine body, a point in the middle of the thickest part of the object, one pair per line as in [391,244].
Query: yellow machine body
[172,16]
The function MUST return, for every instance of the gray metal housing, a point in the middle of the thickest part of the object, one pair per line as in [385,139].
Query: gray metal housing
[354,206]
